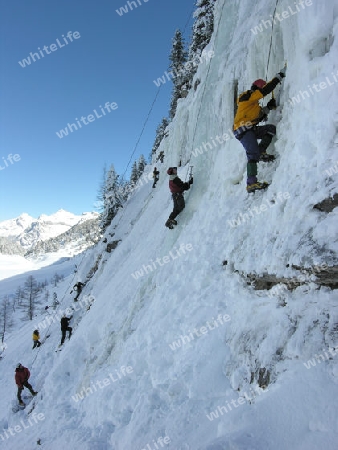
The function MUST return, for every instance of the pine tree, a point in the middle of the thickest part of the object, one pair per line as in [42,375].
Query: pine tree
[134,174]
[99,204]
[202,31]
[160,134]
[112,197]
[141,165]
[178,58]
[203,27]
[125,189]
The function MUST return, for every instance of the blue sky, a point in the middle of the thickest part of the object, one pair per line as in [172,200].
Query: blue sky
[114,59]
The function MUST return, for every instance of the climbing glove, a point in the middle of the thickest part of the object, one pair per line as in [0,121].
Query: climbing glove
[282,72]
[272,104]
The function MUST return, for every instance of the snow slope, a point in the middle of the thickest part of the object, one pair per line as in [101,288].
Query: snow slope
[170,357]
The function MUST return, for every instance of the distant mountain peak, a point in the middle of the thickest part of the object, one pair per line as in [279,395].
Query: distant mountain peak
[27,232]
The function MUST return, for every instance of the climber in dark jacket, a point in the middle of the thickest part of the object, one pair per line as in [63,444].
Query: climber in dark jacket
[78,288]
[21,379]
[177,187]
[65,327]
[156,174]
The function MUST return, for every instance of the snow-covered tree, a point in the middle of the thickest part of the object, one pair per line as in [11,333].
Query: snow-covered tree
[99,204]
[141,165]
[112,197]
[134,174]
[125,188]
[202,30]
[178,58]
[160,134]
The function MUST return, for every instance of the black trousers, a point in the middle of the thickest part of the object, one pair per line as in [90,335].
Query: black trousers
[63,337]
[20,389]
[179,205]
[36,344]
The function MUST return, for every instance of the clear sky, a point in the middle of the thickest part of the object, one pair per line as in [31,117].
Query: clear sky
[113,58]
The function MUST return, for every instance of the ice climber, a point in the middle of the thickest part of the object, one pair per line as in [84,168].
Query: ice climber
[177,187]
[246,130]
[78,288]
[21,379]
[65,327]
[36,337]
[156,174]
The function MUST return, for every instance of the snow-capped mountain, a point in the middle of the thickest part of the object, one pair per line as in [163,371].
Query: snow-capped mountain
[15,227]
[28,232]
[79,237]
[174,345]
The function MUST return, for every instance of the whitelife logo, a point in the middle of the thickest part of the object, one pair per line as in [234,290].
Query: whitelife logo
[146,268]
[91,118]
[129,7]
[11,159]
[52,48]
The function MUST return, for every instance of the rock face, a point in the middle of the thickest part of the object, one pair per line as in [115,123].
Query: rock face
[324,276]
[112,245]
[328,204]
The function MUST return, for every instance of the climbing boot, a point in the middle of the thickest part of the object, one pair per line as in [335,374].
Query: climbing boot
[265,157]
[170,224]
[256,186]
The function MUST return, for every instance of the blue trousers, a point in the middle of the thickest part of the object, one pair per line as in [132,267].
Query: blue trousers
[254,150]
[250,137]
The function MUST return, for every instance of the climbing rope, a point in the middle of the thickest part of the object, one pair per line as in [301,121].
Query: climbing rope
[188,20]
[144,125]
[204,88]
[273,22]
[153,103]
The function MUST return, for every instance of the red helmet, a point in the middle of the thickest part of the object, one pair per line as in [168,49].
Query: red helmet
[172,171]
[259,83]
